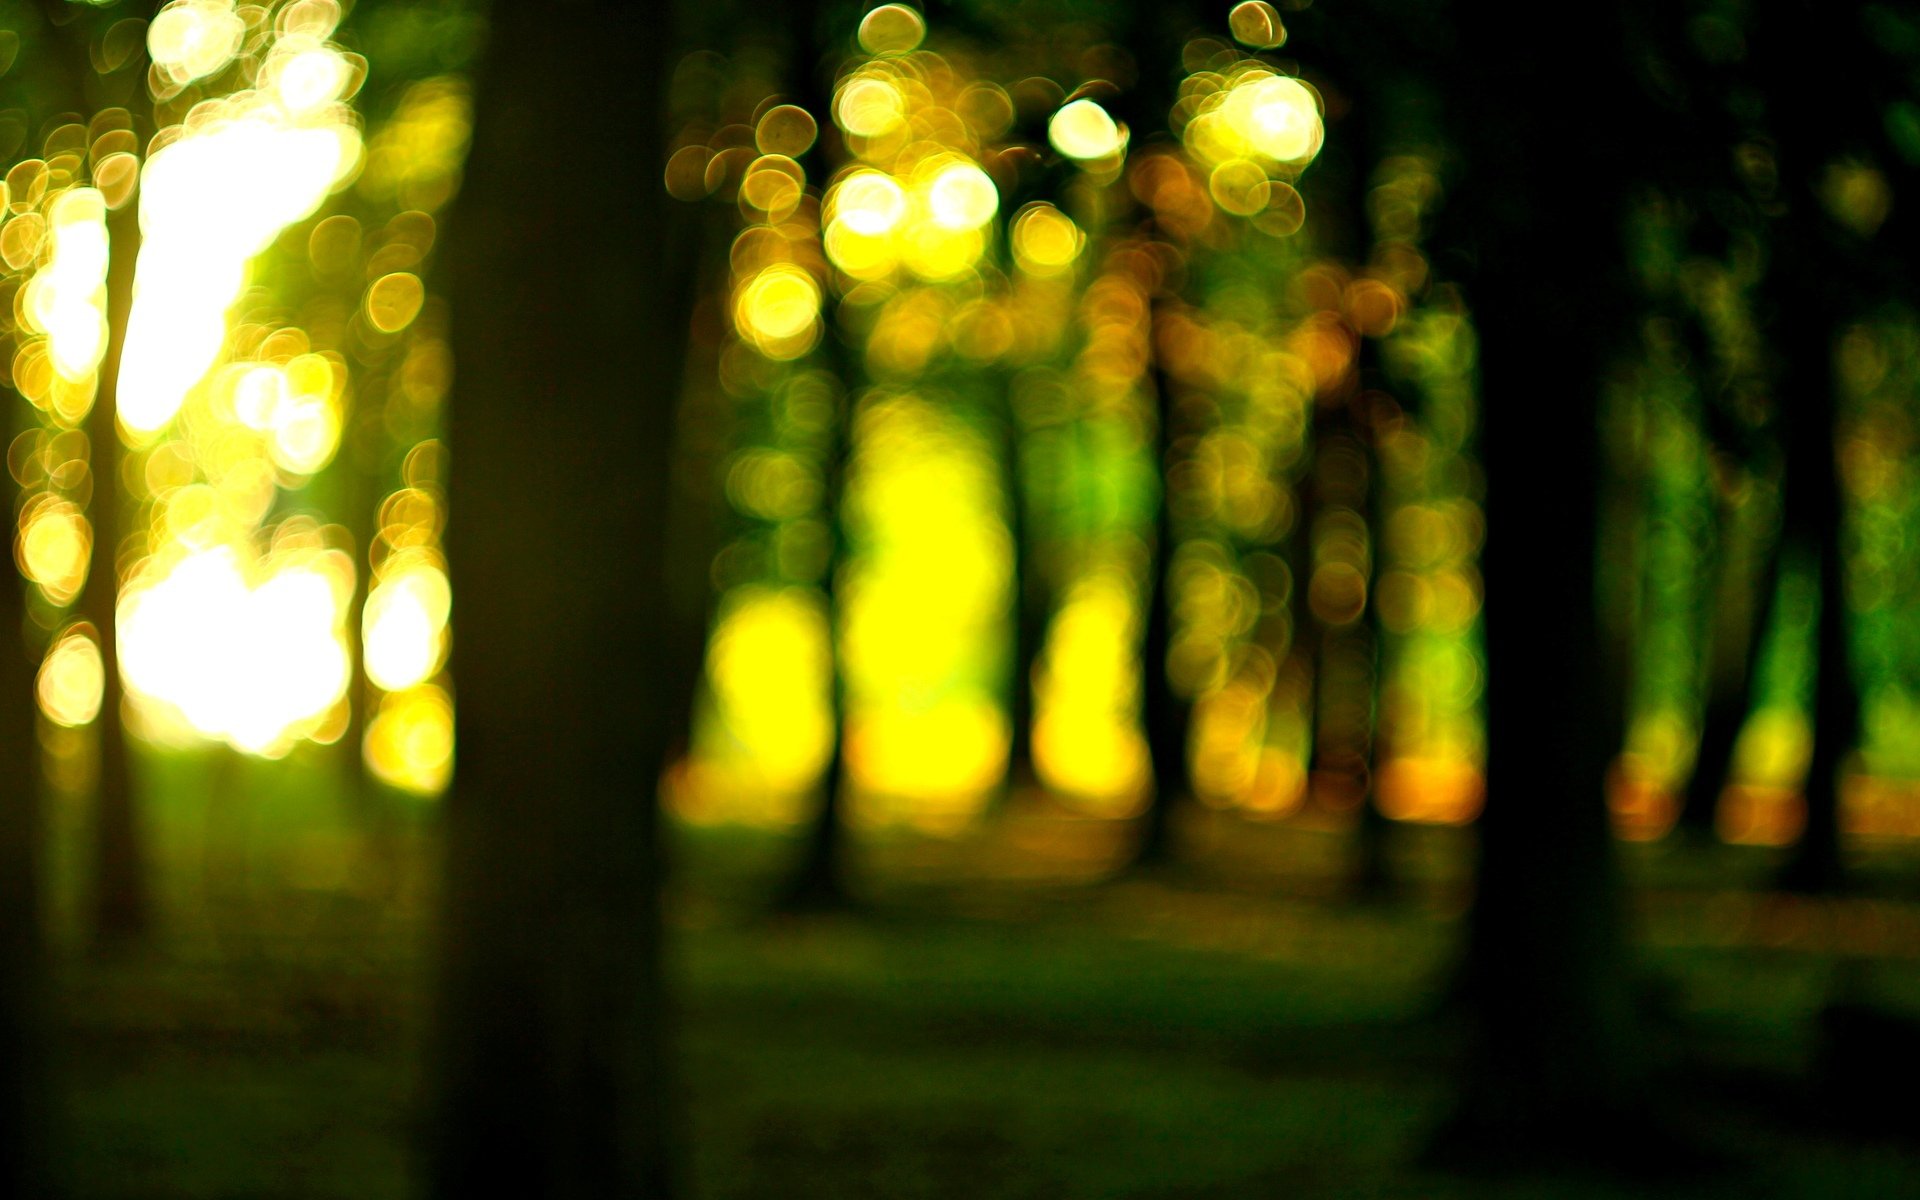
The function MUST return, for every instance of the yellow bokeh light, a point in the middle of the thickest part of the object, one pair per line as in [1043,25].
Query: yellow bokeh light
[54,546]
[779,311]
[1239,186]
[250,653]
[1256,23]
[892,29]
[307,79]
[409,742]
[209,201]
[1086,132]
[404,627]
[869,203]
[767,664]
[870,106]
[191,39]
[1276,115]
[785,129]
[72,679]
[66,299]
[1045,240]
[960,196]
[1086,743]
[393,301]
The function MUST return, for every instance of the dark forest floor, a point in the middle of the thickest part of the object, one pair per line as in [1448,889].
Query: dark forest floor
[999,1020]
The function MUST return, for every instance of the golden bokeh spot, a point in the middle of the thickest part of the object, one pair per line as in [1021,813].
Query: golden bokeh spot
[869,203]
[1373,307]
[870,106]
[409,742]
[394,301]
[26,185]
[55,543]
[307,79]
[686,174]
[72,678]
[404,625]
[1086,132]
[773,185]
[1285,213]
[892,29]
[309,18]
[21,239]
[1239,186]
[191,39]
[117,175]
[1257,24]
[986,108]
[960,196]
[786,129]
[1337,593]
[778,310]
[1045,240]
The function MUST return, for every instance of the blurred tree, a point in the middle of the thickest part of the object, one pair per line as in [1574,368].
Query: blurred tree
[1830,202]
[120,901]
[819,876]
[23,1099]
[1554,1062]
[1166,713]
[579,637]
[70,76]
[1153,35]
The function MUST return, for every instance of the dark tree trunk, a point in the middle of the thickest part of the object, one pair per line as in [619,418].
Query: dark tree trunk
[1372,876]
[818,881]
[1732,674]
[1553,1061]
[120,902]
[1030,603]
[1165,712]
[819,878]
[1812,521]
[23,1091]
[577,639]
[1817,279]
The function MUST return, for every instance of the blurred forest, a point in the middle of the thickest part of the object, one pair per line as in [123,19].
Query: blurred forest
[1043,597]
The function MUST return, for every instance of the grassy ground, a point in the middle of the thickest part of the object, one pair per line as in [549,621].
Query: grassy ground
[999,1021]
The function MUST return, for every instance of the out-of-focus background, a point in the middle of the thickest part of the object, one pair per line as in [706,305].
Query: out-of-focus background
[1081,421]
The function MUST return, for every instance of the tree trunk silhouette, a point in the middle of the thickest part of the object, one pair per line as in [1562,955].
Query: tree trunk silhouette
[1816,280]
[1165,712]
[23,1090]
[120,901]
[818,878]
[1553,1065]
[1732,675]
[1030,602]
[1812,518]
[576,642]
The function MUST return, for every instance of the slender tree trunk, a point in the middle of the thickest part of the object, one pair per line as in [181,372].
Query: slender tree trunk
[1029,602]
[120,901]
[576,650]
[819,879]
[1166,713]
[1372,877]
[1733,675]
[1818,273]
[1813,518]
